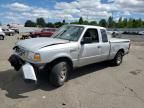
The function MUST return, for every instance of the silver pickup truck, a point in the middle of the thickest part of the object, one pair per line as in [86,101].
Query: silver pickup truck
[72,46]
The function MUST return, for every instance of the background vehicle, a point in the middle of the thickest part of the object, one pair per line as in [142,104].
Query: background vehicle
[46,32]
[16,30]
[72,46]
[2,34]
[115,33]
[141,33]
[8,32]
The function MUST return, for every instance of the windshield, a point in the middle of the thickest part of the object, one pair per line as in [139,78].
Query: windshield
[69,32]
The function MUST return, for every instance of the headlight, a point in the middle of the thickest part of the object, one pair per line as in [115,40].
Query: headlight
[34,56]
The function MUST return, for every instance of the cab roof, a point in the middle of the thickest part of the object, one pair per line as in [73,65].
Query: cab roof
[88,26]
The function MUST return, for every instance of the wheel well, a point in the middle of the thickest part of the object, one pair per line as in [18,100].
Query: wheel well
[121,50]
[68,60]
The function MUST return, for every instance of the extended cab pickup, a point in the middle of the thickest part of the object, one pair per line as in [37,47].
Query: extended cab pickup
[72,46]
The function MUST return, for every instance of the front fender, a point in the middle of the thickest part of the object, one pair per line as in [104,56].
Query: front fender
[60,55]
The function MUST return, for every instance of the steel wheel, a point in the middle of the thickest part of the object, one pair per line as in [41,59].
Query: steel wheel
[118,58]
[63,72]
[1,38]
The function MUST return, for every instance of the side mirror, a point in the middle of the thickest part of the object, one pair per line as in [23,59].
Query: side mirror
[86,40]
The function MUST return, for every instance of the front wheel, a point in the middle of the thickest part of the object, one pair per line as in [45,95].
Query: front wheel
[118,58]
[59,73]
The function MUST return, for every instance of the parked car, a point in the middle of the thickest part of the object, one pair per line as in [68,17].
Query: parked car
[16,30]
[115,33]
[141,32]
[72,46]
[8,32]
[46,32]
[2,34]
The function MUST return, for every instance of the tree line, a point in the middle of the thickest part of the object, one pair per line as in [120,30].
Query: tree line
[109,23]
[40,22]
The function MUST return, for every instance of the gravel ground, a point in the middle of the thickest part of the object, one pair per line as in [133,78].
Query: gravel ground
[93,86]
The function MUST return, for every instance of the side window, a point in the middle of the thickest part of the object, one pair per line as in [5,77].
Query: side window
[93,34]
[104,35]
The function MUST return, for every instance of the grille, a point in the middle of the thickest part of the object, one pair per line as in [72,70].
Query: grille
[20,51]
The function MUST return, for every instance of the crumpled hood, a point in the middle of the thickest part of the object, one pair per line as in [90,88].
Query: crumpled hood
[37,43]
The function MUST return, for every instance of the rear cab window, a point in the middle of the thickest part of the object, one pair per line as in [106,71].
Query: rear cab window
[104,35]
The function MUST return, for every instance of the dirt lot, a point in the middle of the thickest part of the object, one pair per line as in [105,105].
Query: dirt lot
[94,86]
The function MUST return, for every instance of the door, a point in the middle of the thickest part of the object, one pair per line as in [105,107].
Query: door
[90,51]
[46,32]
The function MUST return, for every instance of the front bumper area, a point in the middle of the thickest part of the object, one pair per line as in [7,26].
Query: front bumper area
[28,70]
[16,62]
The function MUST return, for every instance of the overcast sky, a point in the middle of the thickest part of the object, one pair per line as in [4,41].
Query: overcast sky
[18,11]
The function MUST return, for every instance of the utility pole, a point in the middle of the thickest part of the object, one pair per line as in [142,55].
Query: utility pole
[87,14]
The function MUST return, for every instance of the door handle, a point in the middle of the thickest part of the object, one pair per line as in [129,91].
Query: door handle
[99,47]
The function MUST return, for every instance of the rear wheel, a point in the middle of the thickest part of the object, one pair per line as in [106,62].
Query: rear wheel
[118,58]
[59,73]
[37,36]
[1,37]
[11,34]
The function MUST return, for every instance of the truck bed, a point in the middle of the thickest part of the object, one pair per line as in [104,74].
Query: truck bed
[118,40]
[117,44]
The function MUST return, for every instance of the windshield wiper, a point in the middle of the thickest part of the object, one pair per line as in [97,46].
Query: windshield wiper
[64,39]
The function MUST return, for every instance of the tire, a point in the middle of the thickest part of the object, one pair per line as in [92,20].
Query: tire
[37,36]
[59,73]
[118,58]
[11,34]
[1,37]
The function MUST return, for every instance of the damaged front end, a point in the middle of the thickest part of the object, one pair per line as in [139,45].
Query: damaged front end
[27,69]
[16,62]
